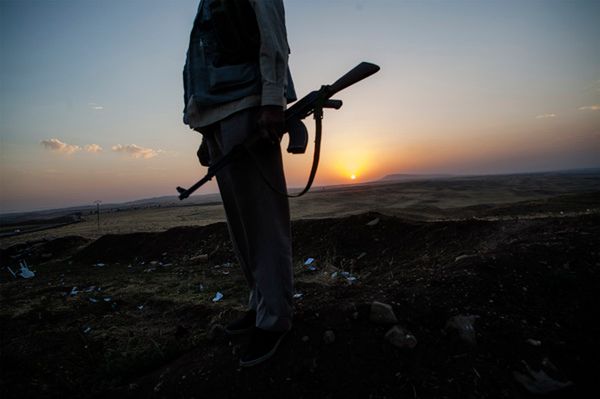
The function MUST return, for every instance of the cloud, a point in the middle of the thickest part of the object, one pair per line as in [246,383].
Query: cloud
[136,151]
[595,107]
[544,116]
[95,106]
[93,148]
[57,145]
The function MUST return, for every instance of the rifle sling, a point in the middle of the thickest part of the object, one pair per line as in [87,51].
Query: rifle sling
[318,116]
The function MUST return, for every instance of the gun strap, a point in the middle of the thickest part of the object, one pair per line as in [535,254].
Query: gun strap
[318,116]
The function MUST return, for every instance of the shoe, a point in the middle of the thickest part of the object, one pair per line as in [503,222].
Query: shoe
[243,325]
[261,347]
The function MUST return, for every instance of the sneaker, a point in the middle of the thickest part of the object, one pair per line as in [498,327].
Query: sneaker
[261,347]
[243,325]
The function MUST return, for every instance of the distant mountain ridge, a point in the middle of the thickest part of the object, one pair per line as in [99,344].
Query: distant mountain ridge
[408,177]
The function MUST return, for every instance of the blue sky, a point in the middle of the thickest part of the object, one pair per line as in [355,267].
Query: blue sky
[465,87]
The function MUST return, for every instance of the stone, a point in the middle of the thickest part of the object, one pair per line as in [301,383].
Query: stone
[328,337]
[215,331]
[401,338]
[463,326]
[382,313]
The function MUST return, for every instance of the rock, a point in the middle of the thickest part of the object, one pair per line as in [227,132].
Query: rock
[539,382]
[202,257]
[401,338]
[462,325]
[215,331]
[465,256]
[328,337]
[382,313]
[534,342]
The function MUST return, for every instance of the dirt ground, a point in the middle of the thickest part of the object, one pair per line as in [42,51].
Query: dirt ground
[132,315]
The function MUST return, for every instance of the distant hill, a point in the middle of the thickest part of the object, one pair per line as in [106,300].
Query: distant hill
[411,177]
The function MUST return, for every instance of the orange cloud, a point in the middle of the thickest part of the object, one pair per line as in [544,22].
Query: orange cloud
[136,151]
[59,146]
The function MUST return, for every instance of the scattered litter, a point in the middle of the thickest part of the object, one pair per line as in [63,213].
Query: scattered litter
[218,297]
[538,382]
[166,264]
[225,272]
[90,288]
[107,299]
[298,295]
[362,255]
[99,264]
[140,307]
[401,338]
[93,300]
[74,291]
[154,263]
[10,270]
[309,264]
[149,270]
[534,342]
[25,271]
[201,287]
[87,330]
[350,278]
[463,326]
[373,222]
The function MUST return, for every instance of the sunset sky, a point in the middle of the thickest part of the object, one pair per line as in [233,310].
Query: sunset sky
[91,96]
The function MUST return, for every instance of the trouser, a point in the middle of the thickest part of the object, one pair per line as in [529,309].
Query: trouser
[257,217]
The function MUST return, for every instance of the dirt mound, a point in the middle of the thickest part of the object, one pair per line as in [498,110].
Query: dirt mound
[176,243]
[43,250]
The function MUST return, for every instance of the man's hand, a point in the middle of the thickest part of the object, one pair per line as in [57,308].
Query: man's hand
[271,123]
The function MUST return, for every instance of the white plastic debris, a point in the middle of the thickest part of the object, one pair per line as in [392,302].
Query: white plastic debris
[93,300]
[87,330]
[218,297]
[107,299]
[140,307]
[534,342]
[309,264]
[74,291]
[25,271]
[373,222]
[298,295]
[11,272]
[100,264]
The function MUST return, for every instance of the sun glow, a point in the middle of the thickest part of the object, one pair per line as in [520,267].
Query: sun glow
[352,177]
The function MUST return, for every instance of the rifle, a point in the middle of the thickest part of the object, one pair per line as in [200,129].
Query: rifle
[313,103]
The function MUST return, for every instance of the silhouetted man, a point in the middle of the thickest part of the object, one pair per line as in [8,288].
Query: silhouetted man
[237,85]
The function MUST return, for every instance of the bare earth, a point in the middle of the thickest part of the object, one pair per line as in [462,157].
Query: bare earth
[128,311]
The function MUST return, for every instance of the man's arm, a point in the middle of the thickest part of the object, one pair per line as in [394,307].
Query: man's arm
[273,58]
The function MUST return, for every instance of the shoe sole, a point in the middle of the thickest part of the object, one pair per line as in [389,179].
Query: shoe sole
[239,332]
[267,356]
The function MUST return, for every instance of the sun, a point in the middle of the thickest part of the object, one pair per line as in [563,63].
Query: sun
[352,177]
